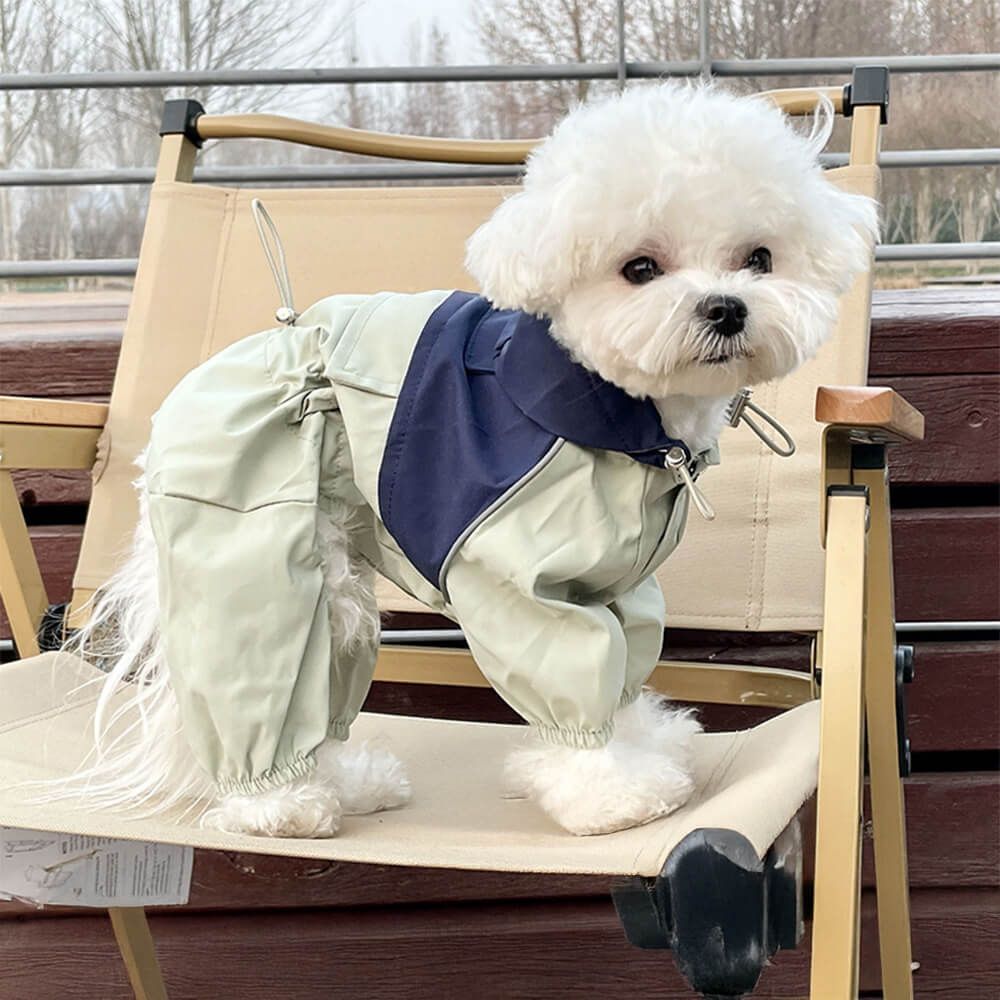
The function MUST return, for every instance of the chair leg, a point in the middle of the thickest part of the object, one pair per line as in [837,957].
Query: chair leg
[888,818]
[836,908]
[21,585]
[138,952]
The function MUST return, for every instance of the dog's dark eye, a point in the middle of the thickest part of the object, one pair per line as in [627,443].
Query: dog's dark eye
[759,261]
[641,270]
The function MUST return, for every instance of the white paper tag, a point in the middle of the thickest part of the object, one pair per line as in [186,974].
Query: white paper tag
[67,869]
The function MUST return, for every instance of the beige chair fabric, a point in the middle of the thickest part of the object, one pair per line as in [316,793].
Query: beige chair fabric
[753,782]
[203,282]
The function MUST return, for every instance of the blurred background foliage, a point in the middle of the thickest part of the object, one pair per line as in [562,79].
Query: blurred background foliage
[118,128]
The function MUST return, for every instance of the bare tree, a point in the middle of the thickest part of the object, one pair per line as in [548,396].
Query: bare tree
[544,31]
[40,128]
[930,112]
[197,35]
[207,35]
[31,41]
[17,110]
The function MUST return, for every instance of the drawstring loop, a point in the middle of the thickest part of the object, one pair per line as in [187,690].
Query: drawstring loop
[286,313]
[676,459]
[736,413]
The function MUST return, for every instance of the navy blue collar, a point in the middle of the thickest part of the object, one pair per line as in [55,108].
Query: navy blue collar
[559,394]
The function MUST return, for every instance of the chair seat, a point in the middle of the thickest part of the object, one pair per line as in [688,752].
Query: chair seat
[752,782]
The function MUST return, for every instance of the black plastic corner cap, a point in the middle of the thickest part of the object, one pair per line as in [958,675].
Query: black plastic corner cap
[715,885]
[869,86]
[179,118]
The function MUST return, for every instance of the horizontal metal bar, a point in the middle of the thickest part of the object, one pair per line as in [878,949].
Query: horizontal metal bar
[127,266]
[346,74]
[402,635]
[263,175]
[294,174]
[925,158]
[391,637]
[937,251]
[66,268]
[964,62]
[917,627]
[430,636]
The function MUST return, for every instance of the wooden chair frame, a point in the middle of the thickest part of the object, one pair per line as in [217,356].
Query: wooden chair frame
[855,663]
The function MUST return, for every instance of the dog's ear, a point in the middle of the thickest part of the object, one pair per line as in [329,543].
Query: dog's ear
[852,222]
[522,256]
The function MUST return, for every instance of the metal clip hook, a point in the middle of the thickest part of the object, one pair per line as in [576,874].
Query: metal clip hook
[677,460]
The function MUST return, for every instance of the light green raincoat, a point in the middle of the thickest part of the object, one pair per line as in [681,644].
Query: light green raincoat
[552,583]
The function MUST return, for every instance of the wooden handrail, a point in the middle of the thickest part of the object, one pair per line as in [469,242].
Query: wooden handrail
[794,101]
[352,140]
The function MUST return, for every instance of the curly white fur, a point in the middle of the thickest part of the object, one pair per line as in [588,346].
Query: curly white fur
[692,177]
[641,774]
[695,178]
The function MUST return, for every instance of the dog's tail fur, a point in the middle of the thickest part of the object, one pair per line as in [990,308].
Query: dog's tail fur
[141,762]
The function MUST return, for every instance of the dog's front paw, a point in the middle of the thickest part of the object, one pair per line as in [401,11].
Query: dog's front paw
[299,809]
[610,788]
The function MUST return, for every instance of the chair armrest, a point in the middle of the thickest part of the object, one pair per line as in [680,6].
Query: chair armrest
[62,413]
[49,433]
[36,434]
[871,413]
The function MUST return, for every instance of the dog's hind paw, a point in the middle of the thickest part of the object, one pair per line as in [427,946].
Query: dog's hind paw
[367,778]
[298,809]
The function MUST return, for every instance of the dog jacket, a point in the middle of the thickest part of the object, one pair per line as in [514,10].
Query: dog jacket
[487,473]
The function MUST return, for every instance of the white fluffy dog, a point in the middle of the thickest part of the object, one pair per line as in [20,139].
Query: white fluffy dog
[683,243]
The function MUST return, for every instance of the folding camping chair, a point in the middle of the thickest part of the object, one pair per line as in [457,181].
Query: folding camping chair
[807,548]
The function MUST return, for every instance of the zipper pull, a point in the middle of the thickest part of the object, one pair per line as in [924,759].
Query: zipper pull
[676,459]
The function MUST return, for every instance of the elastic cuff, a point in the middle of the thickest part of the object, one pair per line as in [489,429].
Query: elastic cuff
[581,739]
[280,774]
[339,729]
[629,697]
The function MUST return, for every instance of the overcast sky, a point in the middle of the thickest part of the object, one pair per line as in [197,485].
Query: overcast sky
[384,28]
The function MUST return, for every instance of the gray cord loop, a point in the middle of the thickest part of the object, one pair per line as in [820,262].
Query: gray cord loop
[738,406]
[286,313]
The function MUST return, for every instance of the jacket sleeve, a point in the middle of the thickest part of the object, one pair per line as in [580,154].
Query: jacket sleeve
[542,589]
[641,613]
[560,662]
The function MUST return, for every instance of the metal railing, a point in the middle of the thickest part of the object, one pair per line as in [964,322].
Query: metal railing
[55,177]
[621,70]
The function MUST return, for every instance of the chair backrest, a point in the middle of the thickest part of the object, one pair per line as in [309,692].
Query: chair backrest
[203,282]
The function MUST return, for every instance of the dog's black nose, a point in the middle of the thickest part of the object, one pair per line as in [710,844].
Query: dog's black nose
[725,313]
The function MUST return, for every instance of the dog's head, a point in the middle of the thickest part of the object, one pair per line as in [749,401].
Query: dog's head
[682,240]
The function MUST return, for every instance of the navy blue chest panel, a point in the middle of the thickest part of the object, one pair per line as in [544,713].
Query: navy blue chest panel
[488,394]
